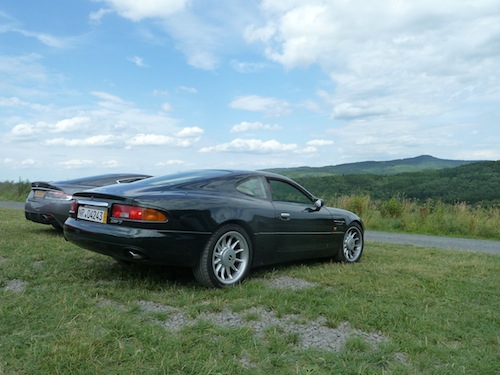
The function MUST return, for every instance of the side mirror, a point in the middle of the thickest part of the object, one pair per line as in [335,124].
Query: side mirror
[318,203]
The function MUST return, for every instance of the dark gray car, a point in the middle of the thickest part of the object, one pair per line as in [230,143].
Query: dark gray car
[50,202]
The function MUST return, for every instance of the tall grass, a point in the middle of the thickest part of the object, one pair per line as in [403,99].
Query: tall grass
[431,217]
[14,191]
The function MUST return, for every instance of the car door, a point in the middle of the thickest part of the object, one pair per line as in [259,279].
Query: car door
[301,228]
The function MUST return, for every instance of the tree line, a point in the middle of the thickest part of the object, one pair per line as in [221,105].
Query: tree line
[477,183]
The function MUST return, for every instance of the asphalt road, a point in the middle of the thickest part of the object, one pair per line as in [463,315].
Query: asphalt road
[484,246]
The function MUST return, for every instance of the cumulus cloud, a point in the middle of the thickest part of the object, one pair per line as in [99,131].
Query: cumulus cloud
[257,146]
[69,124]
[96,140]
[246,126]
[270,106]
[190,132]
[23,130]
[158,140]
[420,57]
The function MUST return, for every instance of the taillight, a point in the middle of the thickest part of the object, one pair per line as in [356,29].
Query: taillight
[72,210]
[121,211]
[58,195]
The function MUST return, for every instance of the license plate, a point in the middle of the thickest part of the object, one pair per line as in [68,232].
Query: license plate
[39,193]
[99,215]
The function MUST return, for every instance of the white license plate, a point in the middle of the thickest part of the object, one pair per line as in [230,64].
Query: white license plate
[99,215]
[39,193]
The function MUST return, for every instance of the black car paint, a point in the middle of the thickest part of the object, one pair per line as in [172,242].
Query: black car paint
[196,209]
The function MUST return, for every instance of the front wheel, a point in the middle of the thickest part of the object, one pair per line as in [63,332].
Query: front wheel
[226,258]
[351,248]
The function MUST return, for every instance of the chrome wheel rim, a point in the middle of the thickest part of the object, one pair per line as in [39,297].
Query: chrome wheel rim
[230,257]
[353,244]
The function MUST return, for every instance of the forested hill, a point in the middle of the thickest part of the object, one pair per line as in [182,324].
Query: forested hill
[419,163]
[471,183]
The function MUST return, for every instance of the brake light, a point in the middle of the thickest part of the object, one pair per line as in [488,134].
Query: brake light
[121,211]
[72,210]
[58,195]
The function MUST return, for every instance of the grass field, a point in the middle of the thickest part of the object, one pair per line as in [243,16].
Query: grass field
[401,310]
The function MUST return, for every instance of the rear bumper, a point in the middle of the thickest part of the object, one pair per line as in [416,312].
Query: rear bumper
[150,246]
[38,217]
[43,213]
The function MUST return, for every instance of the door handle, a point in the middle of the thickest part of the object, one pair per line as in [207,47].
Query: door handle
[285,216]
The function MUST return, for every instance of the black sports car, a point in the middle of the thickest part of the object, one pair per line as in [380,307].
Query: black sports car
[218,222]
[49,202]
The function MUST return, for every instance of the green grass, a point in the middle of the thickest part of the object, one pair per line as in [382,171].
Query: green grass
[65,310]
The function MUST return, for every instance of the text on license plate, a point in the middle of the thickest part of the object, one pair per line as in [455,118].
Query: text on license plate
[92,214]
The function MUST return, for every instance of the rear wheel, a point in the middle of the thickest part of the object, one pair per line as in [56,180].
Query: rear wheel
[226,258]
[352,245]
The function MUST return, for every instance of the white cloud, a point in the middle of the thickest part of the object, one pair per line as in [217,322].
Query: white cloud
[253,145]
[139,61]
[11,102]
[96,140]
[111,164]
[95,17]
[247,67]
[270,106]
[190,90]
[190,132]
[320,142]
[166,106]
[246,126]
[23,130]
[169,163]
[76,163]
[158,140]
[404,59]
[138,10]
[70,124]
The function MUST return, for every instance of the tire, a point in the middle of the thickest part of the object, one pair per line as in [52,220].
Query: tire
[226,258]
[352,245]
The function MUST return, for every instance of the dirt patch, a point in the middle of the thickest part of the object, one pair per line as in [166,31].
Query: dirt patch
[311,334]
[16,286]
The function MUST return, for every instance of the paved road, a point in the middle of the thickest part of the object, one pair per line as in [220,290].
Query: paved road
[484,246]
[6,204]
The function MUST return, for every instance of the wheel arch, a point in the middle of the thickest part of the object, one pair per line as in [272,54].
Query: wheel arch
[243,224]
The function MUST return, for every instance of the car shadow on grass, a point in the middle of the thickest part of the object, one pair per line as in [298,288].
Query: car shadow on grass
[136,274]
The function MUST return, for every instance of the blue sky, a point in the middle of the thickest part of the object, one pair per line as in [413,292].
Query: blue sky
[157,86]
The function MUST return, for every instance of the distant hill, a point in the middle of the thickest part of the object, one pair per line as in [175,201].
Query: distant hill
[416,164]
[475,183]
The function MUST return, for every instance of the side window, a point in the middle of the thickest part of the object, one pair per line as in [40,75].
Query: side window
[253,186]
[284,192]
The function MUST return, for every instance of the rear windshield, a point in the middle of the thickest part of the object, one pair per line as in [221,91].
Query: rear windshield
[183,178]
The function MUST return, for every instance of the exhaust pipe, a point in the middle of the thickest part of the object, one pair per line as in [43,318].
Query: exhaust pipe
[135,255]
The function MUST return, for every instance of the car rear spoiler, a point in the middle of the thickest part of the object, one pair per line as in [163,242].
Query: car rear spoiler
[44,185]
